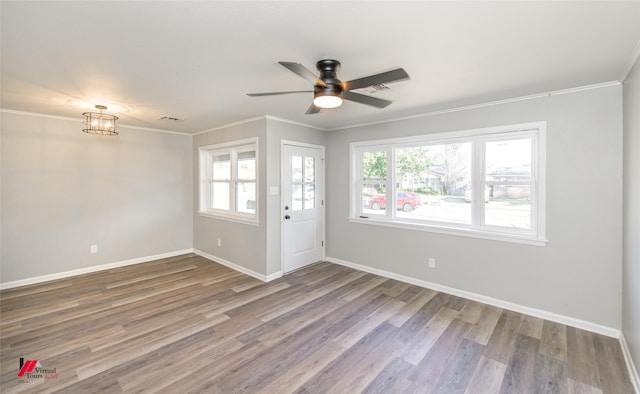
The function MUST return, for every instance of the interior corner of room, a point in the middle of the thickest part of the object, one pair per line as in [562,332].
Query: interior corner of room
[73,203]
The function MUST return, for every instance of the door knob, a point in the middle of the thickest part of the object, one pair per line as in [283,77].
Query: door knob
[287,217]
[286,207]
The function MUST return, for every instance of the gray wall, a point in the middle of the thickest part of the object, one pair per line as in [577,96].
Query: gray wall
[578,274]
[257,248]
[631,262]
[242,244]
[64,190]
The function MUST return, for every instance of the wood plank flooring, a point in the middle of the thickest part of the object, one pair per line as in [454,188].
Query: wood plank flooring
[189,325]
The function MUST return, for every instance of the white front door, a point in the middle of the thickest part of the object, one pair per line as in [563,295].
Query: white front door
[303,205]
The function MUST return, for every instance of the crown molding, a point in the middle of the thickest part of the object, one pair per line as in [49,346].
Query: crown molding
[38,115]
[633,59]
[226,126]
[256,118]
[283,120]
[487,104]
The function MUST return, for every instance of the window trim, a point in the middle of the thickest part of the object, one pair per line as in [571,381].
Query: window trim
[204,161]
[477,228]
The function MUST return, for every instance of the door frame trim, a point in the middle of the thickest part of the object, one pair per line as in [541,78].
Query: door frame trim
[324,185]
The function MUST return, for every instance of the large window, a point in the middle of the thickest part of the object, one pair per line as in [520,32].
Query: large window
[228,181]
[486,183]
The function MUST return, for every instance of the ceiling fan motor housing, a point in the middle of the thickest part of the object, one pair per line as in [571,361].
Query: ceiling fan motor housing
[328,69]
[332,85]
[328,90]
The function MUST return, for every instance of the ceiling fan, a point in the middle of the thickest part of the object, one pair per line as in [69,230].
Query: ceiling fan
[328,91]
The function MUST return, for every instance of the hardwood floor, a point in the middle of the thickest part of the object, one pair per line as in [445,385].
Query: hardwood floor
[186,324]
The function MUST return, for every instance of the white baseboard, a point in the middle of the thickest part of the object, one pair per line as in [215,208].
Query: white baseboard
[274,276]
[102,267]
[633,372]
[239,268]
[569,321]
[66,274]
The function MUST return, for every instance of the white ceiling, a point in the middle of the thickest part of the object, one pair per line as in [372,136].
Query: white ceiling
[197,60]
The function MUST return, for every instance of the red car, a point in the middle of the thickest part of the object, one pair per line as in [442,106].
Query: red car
[404,200]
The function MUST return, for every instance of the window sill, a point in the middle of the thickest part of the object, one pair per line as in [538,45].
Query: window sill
[230,218]
[472,233]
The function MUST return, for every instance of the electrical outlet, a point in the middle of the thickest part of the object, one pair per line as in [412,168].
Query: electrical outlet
[219,242]
[432,262]
[94,249]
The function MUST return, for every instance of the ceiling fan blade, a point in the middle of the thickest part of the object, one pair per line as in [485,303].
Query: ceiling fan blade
[377,79]
[368,100]
[278,93]
[312,110]
[303,72]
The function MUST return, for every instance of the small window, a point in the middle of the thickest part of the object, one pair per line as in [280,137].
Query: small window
[228,181]
[486,183]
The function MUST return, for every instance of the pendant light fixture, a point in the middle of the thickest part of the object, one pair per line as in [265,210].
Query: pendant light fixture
[99,122]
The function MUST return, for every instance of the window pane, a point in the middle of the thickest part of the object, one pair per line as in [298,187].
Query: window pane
[222,167]
[374,166]
[309,196]
[374,182]
[374,199]
[407,204]
[219,195]
[296,197]
[432,180]
[411,164]
[296,168]
[309,169]
[247,155]
[508,161]
[510,207]
[246,197]
[247,166]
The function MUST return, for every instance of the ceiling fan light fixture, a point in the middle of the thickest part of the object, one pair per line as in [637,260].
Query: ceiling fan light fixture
[327,100]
